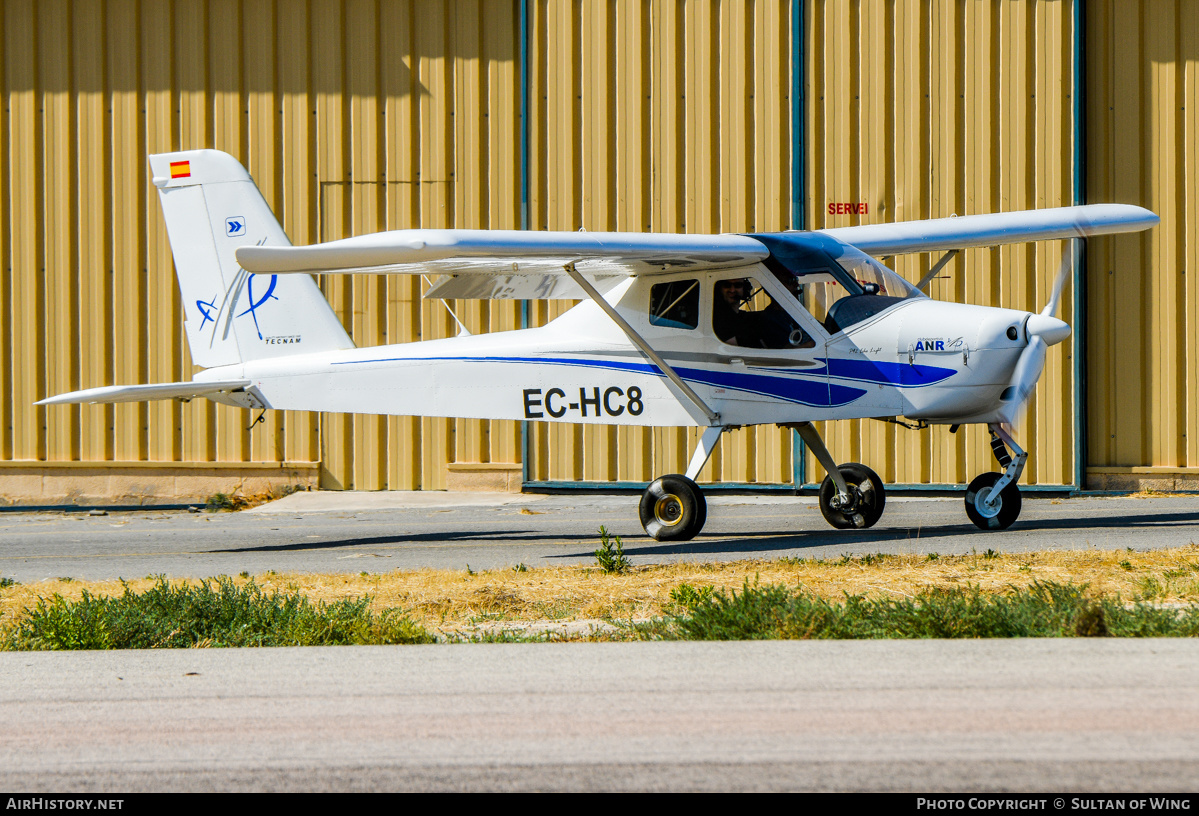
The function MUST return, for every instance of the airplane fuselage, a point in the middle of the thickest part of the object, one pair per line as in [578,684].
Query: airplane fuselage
[919,358]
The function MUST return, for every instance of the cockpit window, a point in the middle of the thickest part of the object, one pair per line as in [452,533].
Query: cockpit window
[675,304]
[744,314]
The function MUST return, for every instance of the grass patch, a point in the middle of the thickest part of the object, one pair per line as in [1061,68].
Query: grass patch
[453,605]
[774,612]
[232,502]
[212,613]
[225,503]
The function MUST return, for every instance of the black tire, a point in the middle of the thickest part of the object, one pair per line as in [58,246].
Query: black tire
[1006,513]
[673,509]
[866,490]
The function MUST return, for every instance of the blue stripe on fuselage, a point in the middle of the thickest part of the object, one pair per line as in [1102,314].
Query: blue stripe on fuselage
[816,393]
[898,374]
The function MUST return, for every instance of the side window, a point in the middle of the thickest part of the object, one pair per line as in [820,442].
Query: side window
[674,304]
[743,314]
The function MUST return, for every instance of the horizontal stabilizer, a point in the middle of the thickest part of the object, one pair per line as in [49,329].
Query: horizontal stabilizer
[943,234]
[139,393]
[515,253]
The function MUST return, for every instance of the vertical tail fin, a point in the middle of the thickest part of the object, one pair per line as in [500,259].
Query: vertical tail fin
[212,207]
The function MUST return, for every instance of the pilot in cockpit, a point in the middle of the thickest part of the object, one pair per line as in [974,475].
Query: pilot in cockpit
[737,323]
[728,321]
[778,329]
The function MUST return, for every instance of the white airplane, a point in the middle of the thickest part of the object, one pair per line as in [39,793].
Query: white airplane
[714,331]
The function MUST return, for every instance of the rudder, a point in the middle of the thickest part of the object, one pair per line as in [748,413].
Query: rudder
[211,207]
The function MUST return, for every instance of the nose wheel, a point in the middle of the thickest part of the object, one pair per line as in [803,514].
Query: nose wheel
[992,512]
[993,499]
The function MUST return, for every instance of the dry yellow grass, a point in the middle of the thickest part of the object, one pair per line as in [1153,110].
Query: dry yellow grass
[451,600]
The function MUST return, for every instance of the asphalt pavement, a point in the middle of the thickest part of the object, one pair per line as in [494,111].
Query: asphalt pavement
[903,716]
[378,532]
[1070,715]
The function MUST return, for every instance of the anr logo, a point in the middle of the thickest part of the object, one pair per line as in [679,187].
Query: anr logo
[235,227]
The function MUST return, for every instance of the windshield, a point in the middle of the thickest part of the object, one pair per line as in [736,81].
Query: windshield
[865,270]
[812,253]
[842,285]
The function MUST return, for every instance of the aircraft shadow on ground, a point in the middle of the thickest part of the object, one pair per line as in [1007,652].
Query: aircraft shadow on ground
[516,536]
[775,541]
[766,541]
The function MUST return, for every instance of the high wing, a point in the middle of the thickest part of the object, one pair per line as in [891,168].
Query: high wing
[509,263]
[138,393]
[942,234]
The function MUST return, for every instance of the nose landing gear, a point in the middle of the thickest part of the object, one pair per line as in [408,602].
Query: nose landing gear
[993,499]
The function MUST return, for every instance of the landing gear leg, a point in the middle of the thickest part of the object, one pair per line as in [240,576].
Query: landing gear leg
[993,499]
[851,495]
[673,507]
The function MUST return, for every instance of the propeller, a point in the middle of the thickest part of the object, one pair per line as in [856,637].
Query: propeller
[1043,330]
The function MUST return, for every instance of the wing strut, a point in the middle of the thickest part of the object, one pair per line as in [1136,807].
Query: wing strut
[639,342]
[932,273]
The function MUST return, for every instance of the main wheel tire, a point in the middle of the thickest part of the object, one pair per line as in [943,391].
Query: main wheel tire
[999,516]
[673,509]
[866,491]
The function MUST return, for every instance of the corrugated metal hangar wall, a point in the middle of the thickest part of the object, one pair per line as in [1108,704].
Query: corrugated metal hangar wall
[361,115]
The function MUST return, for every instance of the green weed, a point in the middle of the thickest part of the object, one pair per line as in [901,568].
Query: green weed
[223,502]
[610,554]
[1042,610]
[214,613]
[685,596]
[1151,588]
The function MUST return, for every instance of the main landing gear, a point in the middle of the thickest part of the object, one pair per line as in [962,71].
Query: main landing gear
[992,499]
[861,503]
[851,495]
[673,507]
